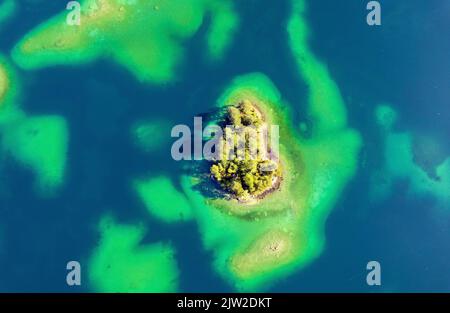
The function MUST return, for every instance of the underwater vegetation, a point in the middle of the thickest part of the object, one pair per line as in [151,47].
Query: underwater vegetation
[155,192]
[121,263]
[150,135]
[419,159]
[39,143]
[7,10]
[144,36]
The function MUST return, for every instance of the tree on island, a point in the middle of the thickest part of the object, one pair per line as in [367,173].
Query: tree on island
[242,170]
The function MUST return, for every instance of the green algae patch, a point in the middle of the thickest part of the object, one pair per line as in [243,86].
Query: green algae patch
[39,143]
[7,10]
[326,105]
[121,263]
[224,23]
[385,117]
[144,36]
[5,84]
[404,159]
[150,135]
[162,200]
[8,93]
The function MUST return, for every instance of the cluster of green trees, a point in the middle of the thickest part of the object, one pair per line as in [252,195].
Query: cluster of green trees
[244,114]
[244,176]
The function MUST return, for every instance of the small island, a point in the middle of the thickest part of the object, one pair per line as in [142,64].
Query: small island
[261,233]
[248,170]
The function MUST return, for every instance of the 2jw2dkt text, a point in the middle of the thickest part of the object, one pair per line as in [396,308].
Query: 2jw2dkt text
[224,303]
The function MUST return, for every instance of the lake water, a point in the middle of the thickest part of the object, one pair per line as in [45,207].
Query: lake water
[404,62]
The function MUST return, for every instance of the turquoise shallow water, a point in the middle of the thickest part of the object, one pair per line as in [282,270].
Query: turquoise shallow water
[404,62]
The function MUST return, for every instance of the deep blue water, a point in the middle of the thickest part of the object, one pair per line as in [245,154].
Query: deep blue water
[404,62]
